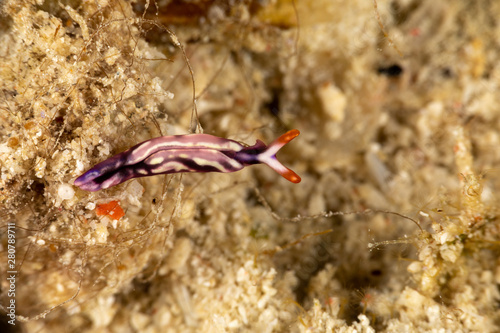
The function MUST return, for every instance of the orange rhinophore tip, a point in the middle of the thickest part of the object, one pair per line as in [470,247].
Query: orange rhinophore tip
[111,209]
[290,176]
[269,156]
[287,137]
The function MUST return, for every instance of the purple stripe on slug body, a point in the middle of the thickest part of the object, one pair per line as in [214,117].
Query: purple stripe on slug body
[112,163]
[194,141]
[144,149]
[165,162]
[193,160]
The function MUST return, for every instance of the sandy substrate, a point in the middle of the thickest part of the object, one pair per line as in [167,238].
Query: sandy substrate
[393,228]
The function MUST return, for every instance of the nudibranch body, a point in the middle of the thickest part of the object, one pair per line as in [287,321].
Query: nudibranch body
[185,153]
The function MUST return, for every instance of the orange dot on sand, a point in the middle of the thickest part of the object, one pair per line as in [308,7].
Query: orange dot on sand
[111,209]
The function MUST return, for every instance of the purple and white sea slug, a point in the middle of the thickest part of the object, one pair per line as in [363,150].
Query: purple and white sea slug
[185,153]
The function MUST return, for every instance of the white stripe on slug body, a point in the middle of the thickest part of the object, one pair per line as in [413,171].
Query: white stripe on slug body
[156,161]
[141,171]
[204,162]
[149,147]
[173,166]
[114,180]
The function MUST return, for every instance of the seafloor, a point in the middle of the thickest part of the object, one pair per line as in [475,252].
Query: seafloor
[394,227]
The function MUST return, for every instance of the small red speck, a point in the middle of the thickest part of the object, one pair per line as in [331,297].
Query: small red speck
[415,32]
[111,209]
[367,299]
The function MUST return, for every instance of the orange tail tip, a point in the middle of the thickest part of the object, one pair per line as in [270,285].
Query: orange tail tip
[269,156]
